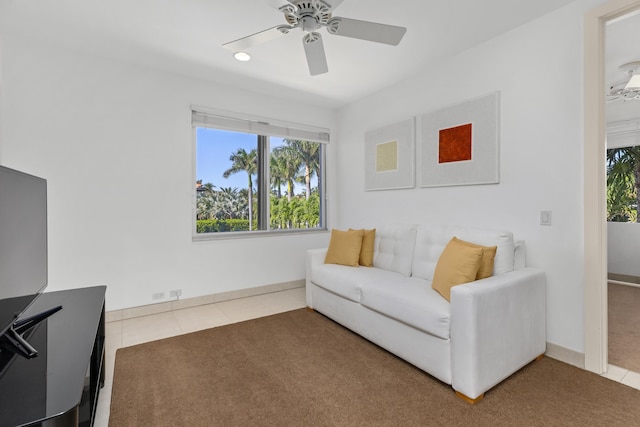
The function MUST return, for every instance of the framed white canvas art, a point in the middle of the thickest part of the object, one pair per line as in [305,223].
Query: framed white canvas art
[389,157]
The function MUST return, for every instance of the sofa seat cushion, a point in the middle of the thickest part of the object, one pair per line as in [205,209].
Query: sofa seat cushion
[346,281]
[411,301]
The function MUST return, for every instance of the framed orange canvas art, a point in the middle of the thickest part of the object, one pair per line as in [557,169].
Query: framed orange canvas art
[460,144]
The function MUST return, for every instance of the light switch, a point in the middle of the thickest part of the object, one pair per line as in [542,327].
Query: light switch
[545,217]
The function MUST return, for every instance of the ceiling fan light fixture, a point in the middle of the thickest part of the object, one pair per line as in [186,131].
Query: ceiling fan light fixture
[627,89]
[242,56]
[634,82]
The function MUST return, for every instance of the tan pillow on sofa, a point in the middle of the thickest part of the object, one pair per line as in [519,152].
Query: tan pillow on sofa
[488,255]
[366,252]
[344,247]
[458,264]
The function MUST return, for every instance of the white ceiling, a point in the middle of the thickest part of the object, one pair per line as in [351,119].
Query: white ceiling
[185,36]
[622,45]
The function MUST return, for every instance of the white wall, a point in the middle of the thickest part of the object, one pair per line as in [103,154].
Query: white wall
[624,134]
[120,187]
[114,142]
[623,244]
[538,70]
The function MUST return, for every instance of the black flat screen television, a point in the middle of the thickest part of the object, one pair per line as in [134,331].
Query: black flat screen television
[23,244]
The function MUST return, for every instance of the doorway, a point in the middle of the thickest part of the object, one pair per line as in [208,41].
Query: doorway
[622,117]
[595,230]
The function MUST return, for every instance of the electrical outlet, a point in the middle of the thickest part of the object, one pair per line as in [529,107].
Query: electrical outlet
[176,293]
[157,296]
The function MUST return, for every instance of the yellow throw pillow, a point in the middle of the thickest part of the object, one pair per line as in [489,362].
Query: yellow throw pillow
[457,264]
[366,252]
[488,255]
[344,247]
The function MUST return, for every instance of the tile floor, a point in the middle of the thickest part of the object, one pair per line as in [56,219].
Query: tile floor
[130,332]
[624,376]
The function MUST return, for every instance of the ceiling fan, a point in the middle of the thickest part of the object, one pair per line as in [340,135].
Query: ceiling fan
[627,89]
[312,15]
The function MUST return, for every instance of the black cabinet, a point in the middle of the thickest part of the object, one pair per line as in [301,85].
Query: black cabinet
[60,386]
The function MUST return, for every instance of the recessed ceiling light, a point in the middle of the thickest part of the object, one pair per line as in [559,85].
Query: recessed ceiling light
[242,56]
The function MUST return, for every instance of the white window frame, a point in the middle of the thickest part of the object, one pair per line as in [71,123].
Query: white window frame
[237,122]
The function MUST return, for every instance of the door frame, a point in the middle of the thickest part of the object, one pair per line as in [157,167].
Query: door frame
[595,203]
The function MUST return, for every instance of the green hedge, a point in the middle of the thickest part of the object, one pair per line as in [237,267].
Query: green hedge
[221,225]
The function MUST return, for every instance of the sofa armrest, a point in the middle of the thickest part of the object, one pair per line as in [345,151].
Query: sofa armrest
[314,257]
[498,325]
[519,255]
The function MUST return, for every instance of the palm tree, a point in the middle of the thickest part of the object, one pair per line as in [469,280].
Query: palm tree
[290,165]
[308,154]
[205,200]
[620,204]
[623,180]
[228,203]
[277,172]
[244,162]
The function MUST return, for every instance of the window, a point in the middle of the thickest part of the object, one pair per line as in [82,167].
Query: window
[254,176]
[623,182]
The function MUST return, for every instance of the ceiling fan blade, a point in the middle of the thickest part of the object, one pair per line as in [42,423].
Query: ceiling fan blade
[334,3]
[365,30]
[257,38]
[277,4]
[314,49]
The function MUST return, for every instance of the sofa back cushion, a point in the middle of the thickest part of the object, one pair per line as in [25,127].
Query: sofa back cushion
[393,248]
[432,239]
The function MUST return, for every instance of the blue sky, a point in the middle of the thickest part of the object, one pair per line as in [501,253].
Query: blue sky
[212,156]
[213,149]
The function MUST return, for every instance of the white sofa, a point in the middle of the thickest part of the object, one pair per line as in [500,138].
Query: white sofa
[490,329]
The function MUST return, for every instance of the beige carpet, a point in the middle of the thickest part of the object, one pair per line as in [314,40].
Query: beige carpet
[299,368]
[624,326]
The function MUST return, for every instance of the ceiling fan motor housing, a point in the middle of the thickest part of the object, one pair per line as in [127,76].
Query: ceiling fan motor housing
[308,15]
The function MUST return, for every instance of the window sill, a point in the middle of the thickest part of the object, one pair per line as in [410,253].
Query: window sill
[203,237]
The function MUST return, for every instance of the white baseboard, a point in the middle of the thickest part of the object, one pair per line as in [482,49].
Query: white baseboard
[146,310]
[618,282]
[553,351]
[565,355]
